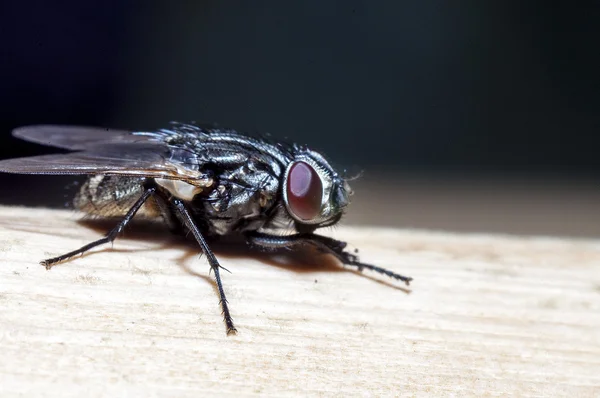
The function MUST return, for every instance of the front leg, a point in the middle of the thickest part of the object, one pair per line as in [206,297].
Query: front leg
[322,243]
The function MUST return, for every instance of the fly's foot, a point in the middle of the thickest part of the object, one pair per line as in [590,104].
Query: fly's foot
[47,263]
[231,331]
[351,259]
[51,262]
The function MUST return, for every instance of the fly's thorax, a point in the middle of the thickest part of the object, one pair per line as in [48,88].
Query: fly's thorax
[241,198]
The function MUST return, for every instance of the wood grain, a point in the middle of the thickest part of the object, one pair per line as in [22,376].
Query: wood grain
[486,315]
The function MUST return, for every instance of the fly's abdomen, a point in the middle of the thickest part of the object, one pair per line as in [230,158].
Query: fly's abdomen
[113,196]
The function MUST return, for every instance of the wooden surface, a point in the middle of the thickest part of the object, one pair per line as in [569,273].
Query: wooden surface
[485,316]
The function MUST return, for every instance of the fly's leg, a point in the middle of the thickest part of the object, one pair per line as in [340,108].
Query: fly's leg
[212,260]
[322,243]
[109,236]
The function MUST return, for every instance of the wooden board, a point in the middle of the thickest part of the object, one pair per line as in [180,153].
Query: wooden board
[485,315]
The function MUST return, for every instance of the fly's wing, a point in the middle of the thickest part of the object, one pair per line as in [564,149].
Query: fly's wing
[149,159]
[75,137]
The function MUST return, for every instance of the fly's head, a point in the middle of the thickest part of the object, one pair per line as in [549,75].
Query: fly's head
[314,194]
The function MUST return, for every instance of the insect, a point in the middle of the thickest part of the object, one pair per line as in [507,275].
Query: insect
[201,180]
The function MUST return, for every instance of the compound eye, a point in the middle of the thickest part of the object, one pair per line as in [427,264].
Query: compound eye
[304,191]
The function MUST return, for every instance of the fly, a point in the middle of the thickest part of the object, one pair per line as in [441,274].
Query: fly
[207,181]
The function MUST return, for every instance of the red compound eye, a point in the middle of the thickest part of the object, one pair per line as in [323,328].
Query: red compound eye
[304,191]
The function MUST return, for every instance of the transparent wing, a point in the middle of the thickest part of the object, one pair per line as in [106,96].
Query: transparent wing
[75,137]
[139,159]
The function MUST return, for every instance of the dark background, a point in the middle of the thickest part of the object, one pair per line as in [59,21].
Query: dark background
[430,88]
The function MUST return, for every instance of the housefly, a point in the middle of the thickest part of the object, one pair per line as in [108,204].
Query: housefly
[201,180]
